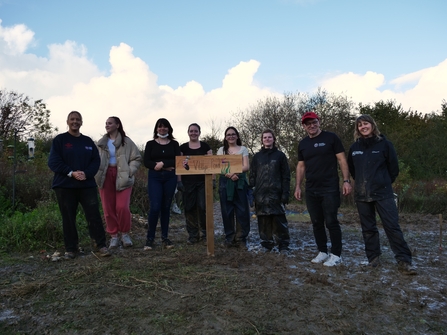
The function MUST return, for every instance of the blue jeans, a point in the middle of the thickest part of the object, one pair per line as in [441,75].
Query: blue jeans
[239,230]
[323,210]
[389,216]
[68,200]
[160,188]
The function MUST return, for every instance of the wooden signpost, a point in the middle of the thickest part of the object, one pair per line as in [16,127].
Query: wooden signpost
[208,165]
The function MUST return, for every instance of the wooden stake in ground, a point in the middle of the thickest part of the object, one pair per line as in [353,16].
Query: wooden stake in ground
[208,165]
[440,232]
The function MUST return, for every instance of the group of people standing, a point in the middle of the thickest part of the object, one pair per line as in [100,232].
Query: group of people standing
[80,166]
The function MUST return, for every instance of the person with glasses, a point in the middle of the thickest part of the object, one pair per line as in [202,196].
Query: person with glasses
[374,166]
[318,155]
[159,158]
[233,193]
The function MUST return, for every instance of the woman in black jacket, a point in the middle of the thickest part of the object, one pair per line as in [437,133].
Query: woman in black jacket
[374,166]
[270,178]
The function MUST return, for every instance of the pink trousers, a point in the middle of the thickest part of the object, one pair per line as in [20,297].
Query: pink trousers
[115,204]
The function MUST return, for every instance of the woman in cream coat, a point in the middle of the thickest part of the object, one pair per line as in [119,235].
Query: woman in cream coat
[120,159]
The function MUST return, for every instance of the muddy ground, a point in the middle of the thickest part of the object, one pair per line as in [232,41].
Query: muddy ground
[184,291]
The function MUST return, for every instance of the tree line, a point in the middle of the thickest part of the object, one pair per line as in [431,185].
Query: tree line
[419,138]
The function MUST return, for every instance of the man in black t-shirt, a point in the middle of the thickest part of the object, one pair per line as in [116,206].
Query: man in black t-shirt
[318,154]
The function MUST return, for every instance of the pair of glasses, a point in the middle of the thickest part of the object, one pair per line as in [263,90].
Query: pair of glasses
[311,123]
[231,135]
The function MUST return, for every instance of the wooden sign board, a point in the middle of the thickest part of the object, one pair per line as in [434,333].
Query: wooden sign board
[208,164]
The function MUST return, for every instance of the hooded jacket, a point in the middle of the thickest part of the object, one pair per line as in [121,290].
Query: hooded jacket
[128,160]
[270,177]
[374,166]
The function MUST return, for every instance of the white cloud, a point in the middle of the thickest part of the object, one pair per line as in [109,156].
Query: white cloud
[15,40]
[40,77]
[131,93]
[411,78]
[424,89]
[67,80]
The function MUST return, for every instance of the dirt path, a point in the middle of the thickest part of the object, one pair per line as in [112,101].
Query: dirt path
[183,291]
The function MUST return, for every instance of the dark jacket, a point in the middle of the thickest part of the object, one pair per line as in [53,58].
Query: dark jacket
[374,166]
[71,153]
[270,177]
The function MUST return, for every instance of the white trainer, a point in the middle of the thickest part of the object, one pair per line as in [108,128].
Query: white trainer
[333,260]
[114,242]
[321,257]
[127,242]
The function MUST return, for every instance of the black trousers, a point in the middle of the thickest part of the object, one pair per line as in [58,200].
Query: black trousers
[68,200]
[389,216]
[195,209]
[323,211]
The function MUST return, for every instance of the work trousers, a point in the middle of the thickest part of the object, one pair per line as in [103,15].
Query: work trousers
[270,225]
[235,231]
[389,216]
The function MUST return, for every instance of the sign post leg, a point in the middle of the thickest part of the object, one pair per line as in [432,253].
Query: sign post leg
[209,214]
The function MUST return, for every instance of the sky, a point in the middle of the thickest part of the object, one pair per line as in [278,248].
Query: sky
[205,61]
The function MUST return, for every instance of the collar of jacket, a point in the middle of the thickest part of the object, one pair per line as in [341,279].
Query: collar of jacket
[102,143]
[370,141]
[269,150]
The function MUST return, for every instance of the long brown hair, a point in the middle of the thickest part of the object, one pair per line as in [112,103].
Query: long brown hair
[226,145]
[369,119]
[120,129]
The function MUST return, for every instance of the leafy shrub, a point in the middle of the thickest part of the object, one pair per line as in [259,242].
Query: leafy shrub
[32,181]
[37,229]
[423,196]
[5,203]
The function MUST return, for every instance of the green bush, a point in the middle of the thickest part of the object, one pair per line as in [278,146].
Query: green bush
[428,197]
[5,203]
[32,181]
[40,228]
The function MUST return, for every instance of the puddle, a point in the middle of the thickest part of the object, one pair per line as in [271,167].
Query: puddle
[7,314]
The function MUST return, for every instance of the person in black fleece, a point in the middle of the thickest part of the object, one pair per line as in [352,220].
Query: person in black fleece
[374,166]
[74,159]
